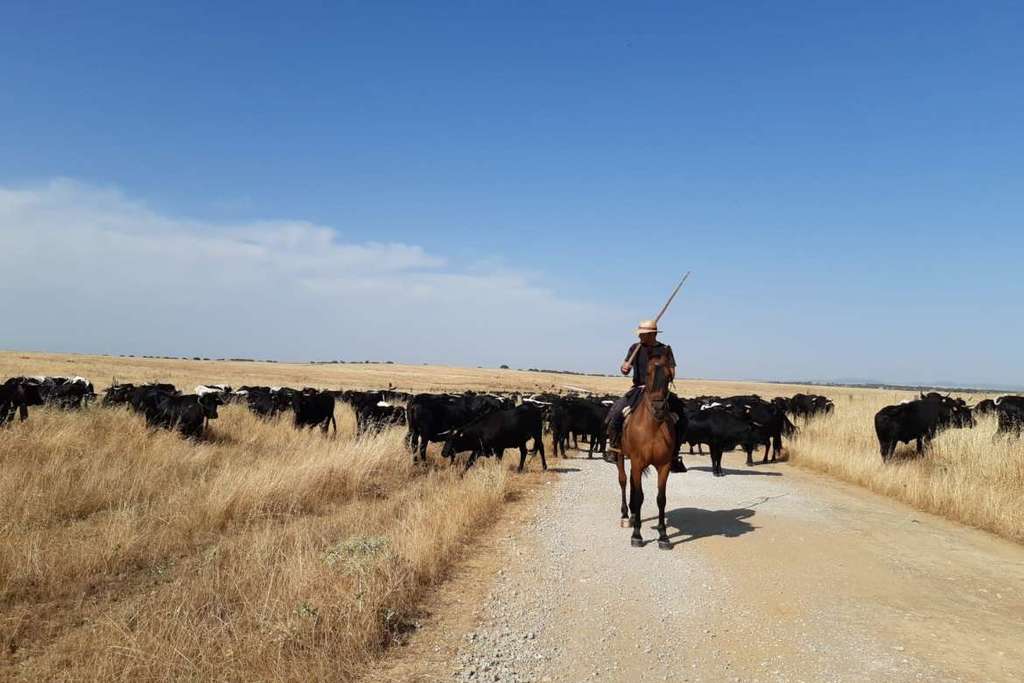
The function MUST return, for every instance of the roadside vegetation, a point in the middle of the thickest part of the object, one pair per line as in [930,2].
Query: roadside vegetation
[968,475]
[262,554]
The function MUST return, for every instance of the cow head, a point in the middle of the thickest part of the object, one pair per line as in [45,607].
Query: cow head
[450,448]
[961,416]
[30,394]
[209,403]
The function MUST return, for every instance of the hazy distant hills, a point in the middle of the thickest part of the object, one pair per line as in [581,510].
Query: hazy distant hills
[880,384]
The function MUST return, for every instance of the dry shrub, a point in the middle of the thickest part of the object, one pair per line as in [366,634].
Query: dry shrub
[260,553]
[968,475]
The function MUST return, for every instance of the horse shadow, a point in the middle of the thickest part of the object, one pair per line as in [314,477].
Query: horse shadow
[697,523]
[744,472]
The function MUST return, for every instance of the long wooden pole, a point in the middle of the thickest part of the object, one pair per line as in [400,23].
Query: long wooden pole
[664,308]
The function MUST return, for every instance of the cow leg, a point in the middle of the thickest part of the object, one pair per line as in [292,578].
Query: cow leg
[636,502]
[716,461]
[539,445]
[767,446]
[920,445]
[522,456]
[750,455]
[472,459]
[23,411]
[663,542]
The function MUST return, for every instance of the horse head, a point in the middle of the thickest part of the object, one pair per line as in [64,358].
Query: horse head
[657,386]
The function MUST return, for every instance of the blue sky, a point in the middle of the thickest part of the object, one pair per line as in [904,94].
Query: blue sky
[846,181]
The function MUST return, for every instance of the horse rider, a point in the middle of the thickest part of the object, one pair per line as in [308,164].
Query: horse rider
[650,347]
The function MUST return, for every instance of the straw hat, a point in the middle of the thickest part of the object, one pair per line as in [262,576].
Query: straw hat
[647,326]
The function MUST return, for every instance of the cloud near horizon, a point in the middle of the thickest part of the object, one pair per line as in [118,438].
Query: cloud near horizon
[88,269]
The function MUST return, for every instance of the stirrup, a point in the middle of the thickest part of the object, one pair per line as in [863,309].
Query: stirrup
[611,454]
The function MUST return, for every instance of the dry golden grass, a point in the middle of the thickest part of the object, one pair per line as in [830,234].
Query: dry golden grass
[264,553]
[967,476]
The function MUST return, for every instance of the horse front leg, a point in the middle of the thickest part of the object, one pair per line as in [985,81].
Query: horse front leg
[636,503]
[622,486]
[663,542]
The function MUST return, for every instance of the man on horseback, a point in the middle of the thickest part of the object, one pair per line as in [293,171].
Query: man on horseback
[649,347]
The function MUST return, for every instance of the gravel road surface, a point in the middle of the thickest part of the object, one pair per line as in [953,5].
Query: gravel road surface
[776,574]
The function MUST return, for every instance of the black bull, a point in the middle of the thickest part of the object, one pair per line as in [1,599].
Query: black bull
[493,433]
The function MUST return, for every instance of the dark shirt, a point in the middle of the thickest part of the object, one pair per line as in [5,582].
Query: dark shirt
[646,352]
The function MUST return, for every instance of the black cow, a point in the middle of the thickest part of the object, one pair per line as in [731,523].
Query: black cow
[1010,412]
[985,407]
[313,408]
[558,420]
[16,395]
[722,429]
[118,394]
[768,419]
[374,409]
[66,393]
[808,405]
[919,420]
[586,418]
[431,417]
[146,398]
[188,414]
[266,402]
[491,434]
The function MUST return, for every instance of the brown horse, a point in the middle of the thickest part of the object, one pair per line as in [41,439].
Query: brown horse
[648,440]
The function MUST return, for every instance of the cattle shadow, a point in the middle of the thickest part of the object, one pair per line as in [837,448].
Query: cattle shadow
[743,472]
[563,470]
[693,524]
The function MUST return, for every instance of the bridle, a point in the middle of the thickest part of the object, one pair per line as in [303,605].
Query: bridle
[657,383]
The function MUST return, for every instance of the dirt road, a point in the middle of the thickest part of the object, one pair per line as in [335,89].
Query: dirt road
[776,575]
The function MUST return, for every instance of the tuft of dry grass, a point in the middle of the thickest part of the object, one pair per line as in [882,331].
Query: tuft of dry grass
[968,475]
[262,553]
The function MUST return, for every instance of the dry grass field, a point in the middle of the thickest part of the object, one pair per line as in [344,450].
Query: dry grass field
[266,553]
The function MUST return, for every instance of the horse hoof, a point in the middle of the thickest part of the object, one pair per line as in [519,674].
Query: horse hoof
[664,545]
[625,523]
[636,542]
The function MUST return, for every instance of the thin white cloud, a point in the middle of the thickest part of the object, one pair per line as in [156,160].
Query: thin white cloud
[91,269]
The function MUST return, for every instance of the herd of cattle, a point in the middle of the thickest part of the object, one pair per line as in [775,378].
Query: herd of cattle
[485,424]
